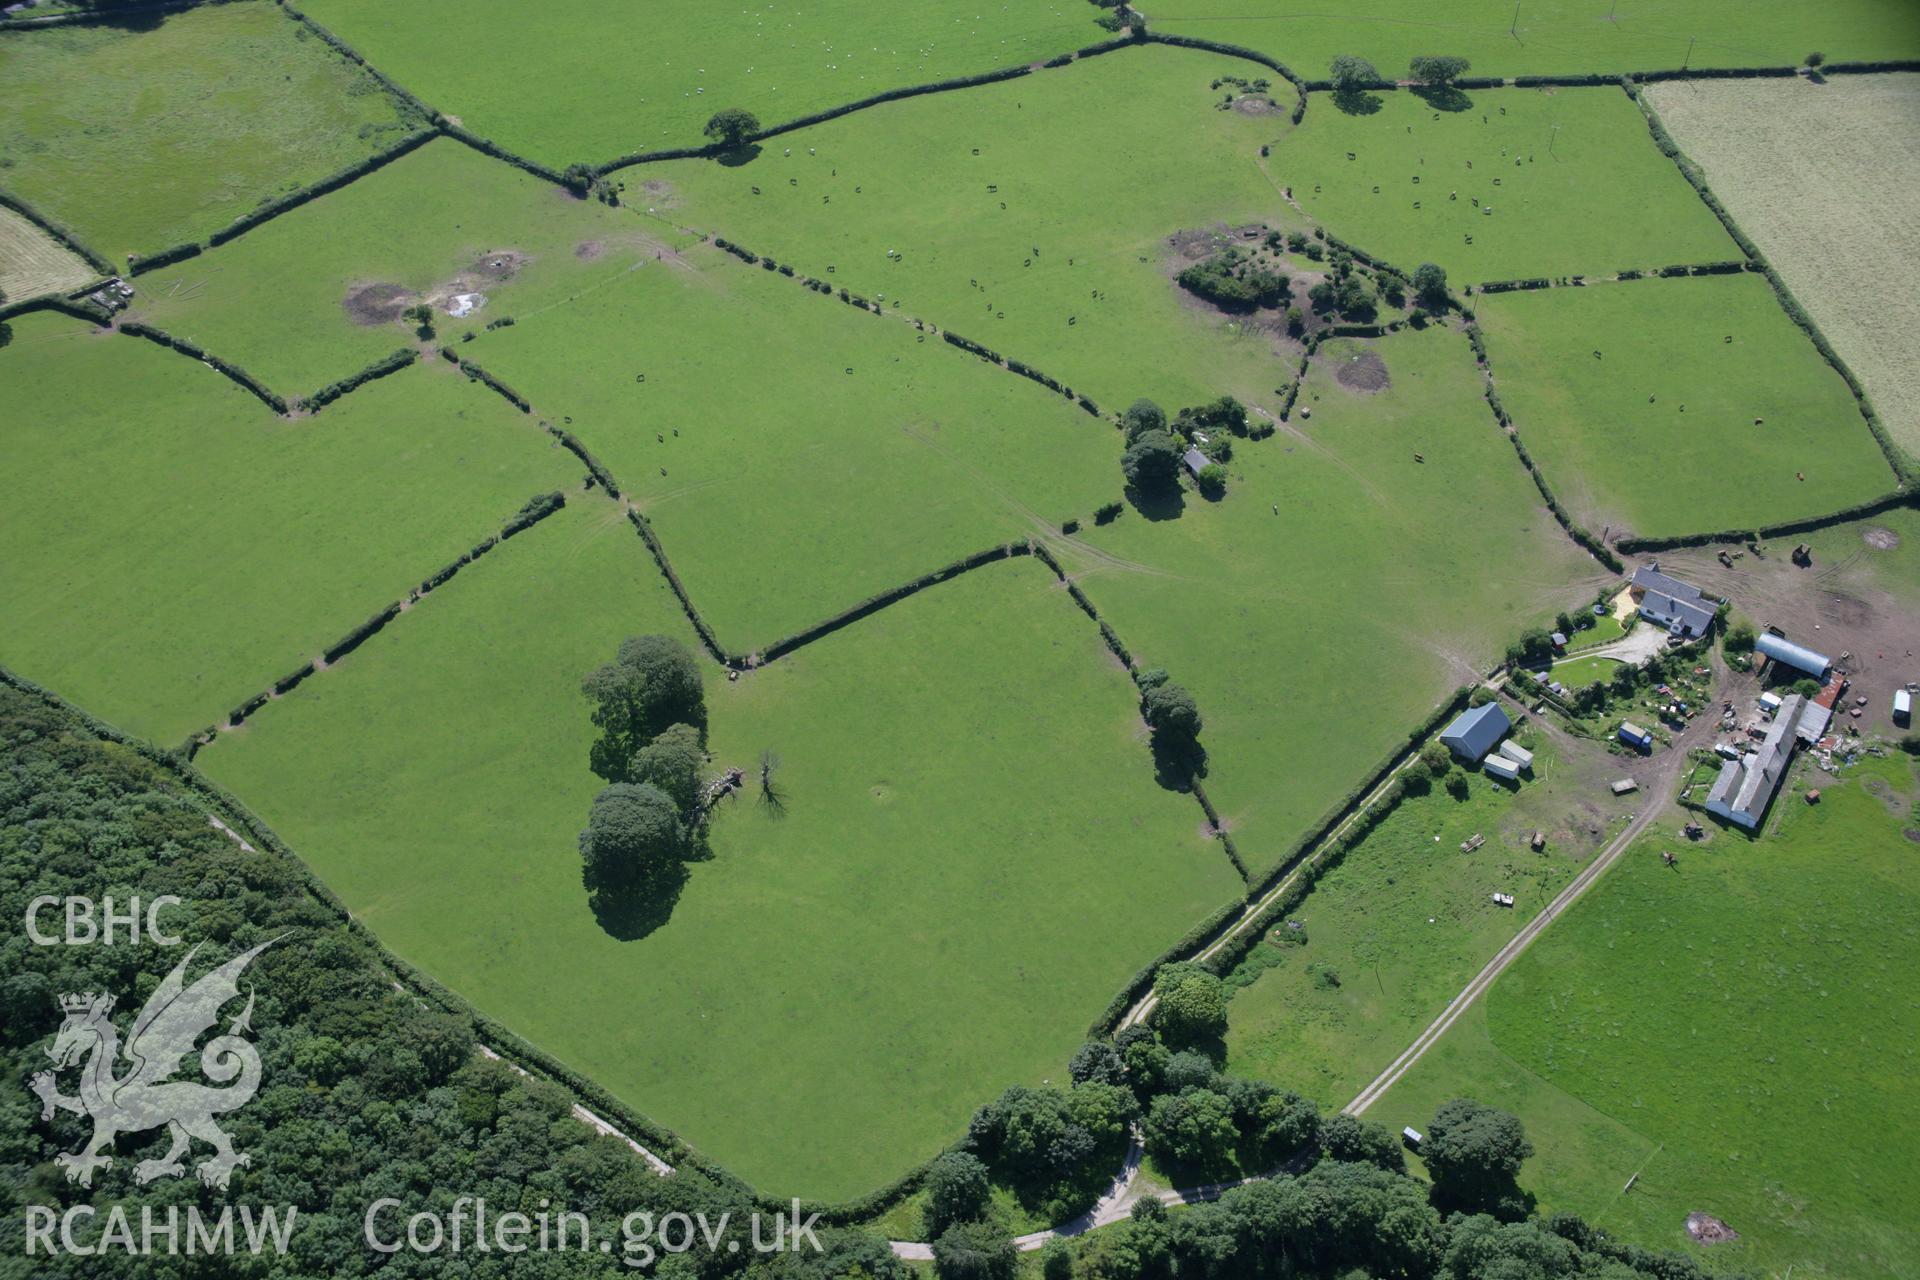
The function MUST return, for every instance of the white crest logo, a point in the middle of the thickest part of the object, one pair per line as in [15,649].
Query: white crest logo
[144,1097]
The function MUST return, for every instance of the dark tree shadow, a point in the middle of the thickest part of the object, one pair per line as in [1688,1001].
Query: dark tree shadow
[734,157]
[1443,97]
[1159,504]
[1357,102]
[630,910]
[1177,762]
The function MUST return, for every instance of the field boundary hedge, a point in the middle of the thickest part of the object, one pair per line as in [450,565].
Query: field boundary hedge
[63,304]
[536,509]
[1119,650]
[354,56]
[1573,529]
[380,368]
[314,190]
[1239,51]
[273,401]
[1904,497]
[58,230]
[951,83]
[1896,457]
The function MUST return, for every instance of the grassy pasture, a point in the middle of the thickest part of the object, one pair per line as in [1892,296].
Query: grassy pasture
[1313,636]
[1656,434]
[1574,183]
[274,300]
[956,885]
[1741,1027]
[1577,673]
[561,83]
[856,455]
[173,548]
[1094,166]
[1555,37]
[1823,178]
[33,262]
[141,136]
[1397,929]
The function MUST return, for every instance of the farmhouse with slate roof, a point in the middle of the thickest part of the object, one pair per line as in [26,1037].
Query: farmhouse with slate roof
[1670,603]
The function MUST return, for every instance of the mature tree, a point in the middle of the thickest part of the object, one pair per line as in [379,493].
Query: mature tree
[672,763]
[1188,1070]
[1350,74]
[1194,1129]
[1473,1153]
[957,1191]
[1436,758]
[1141,417]
[1740,638]
[1357,1141]
[1437,71]
[731,126]
[1192,1007]
[1276,1122]
[1056,1259]
[1172,713]
[1457,786]
[1147,1059]
[633,835]
[1430,286]
[1482,1246]
[1029,1135]
[974,1251]
[1212,479]
[1152,462]
[1105,1111]
[1097,1062]
[652,683]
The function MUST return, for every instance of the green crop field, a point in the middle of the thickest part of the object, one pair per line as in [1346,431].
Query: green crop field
[145,135]
[1036,221]
[1554,37]
[1678,406]
[1499,184]
[1263,612]
[316,294]
[33,262]
[1398,927]
[561,83]
[954,887]
[1744,1021]
[1824,177]
[174,548]
[861,456]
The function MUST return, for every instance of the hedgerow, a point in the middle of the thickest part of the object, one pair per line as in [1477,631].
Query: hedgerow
[314,190]
[380,368]
[59,232]
[134,328]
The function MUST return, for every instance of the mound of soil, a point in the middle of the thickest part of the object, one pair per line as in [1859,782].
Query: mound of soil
[1252,106]
[1880,539]
[1707,1229]
[1363,372]
[372,304]
[499,265]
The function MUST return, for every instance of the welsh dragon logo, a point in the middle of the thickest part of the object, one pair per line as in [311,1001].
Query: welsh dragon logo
[144,1097]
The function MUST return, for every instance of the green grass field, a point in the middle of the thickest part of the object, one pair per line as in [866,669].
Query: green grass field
[173,548]
[140,137]
[1656,433]
[859,455]
[1572,179]
[1554,37]
[972,859]
[1314,636]
[427,226]
[1738,1029]
[1035,220]
[1398,927]
[1824,177]
[562,84]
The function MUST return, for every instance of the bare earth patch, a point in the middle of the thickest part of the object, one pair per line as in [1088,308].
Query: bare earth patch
[588,250]
[659,194]
[1880,539]
[1253,106]
[372,304]
[1707,1229]
[1363,371]
[501,264]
